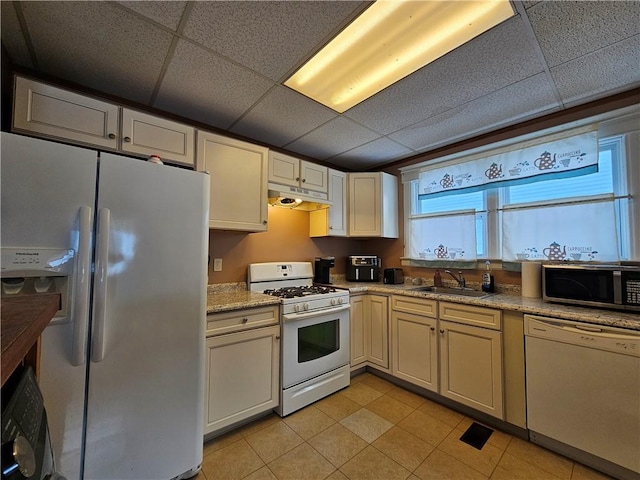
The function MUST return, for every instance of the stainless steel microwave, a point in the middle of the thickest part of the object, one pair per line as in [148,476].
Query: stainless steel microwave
[609,286]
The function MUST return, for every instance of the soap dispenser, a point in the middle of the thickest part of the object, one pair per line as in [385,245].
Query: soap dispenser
[487,279]
[437,279]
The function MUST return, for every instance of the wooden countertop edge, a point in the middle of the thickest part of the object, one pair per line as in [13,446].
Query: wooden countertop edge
[23,318]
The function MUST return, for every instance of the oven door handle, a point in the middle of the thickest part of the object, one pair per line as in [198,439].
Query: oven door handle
[316,313]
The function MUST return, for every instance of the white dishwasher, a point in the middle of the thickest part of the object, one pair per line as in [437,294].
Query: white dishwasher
[583,392]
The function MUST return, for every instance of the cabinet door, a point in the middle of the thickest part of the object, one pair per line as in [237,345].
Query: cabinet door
[357,320]
[471,367]
[238,175]
[284,169]
[377,330]
[332,221]
[145,134]
[53,112]
[364,205]
[414,349]
[314,177]
[242,376]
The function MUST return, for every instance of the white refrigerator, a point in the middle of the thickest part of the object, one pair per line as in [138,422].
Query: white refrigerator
[122,373]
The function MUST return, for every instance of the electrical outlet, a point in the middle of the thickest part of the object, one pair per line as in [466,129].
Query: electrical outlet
[217,264]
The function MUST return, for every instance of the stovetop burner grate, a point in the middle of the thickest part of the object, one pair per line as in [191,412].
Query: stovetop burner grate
[302,291]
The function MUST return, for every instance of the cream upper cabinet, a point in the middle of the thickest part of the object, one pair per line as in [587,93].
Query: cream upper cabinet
[238,176]
[471,357]
[49,111]
[373,205]
[291,171]
[145,134]
[369,331]
[414,341]
[332,221]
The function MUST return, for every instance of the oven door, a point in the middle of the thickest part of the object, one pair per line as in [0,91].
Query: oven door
[314,343]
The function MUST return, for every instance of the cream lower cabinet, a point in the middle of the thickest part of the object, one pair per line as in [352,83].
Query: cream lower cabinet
[471,370]
[238,176]
[242,368]
[369,331]
[414,341]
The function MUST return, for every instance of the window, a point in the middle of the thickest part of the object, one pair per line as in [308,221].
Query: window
[582,218]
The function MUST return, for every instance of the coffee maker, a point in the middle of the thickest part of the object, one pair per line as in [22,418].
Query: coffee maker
[322,267]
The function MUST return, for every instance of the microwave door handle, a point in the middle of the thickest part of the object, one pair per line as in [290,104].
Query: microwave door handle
[100,287]
[617,287]
[82,279]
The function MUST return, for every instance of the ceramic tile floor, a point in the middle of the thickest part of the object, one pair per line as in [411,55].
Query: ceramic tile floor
[376,430]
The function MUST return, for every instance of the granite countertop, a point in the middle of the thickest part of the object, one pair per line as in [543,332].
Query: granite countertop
[227,297]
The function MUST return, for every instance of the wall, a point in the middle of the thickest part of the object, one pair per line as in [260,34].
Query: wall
[287,239]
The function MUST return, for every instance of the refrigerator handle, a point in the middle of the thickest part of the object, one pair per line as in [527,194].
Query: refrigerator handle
[80,312]
[100,285]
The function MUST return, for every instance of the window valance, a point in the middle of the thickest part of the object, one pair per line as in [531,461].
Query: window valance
[563,157]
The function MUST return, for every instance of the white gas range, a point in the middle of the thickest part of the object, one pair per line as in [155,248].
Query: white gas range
[315,332]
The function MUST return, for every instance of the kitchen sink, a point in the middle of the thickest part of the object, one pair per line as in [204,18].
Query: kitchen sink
[466,292]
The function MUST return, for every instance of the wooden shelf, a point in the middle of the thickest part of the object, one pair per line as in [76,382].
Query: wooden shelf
[24,317]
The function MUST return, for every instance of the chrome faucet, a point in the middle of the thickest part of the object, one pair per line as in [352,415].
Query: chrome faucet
[460,279]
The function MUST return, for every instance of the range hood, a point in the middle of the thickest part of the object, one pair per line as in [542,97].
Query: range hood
[297,198]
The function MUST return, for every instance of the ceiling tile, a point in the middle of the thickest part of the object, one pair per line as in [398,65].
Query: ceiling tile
[605,72]
[520,101]
[83,41]
[282,116]
[269,37]
[333,138]
[369,155]
[499,57]
[165,13]
[205,87]
[12,38]
[568,30]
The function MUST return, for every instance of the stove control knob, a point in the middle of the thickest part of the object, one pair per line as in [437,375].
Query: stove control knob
[340,301]
[305,306]
[333,302]
[296,308]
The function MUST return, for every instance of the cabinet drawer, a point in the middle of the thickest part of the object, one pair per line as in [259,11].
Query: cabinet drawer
[219,323]
[471,315]
[417,306]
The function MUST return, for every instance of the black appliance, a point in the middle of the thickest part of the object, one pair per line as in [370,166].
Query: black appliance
[363,268]
[392,276]
[26,446]
[610,286]
[322,267]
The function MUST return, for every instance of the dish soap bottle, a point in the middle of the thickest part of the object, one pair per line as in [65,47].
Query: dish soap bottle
[487,279]
[437,279]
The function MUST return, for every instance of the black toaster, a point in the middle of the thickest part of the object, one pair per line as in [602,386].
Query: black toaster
[392,276]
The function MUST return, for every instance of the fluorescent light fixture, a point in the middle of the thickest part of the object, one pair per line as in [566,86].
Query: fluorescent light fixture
[387,42]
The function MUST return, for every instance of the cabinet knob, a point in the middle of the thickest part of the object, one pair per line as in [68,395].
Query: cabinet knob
[112,136]
[442,331]
[304,180]
[297,179]
[127,139]
[433,329]
[245,320]
[264,222]
[277,337]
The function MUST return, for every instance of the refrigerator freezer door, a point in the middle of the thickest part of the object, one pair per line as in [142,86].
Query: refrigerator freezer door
[145,406]
[45,189]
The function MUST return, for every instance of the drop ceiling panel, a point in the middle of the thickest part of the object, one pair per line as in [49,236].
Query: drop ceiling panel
[205,87]
[568,30]
[12,38]
[369,155]
[607,71]
[282,116]
[99,45]
[165,13]
[497,58]
[333,138]
[269,37]
[522,100]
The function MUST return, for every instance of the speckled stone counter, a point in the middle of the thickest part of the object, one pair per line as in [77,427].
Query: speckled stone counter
[226,297]
[510,301]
